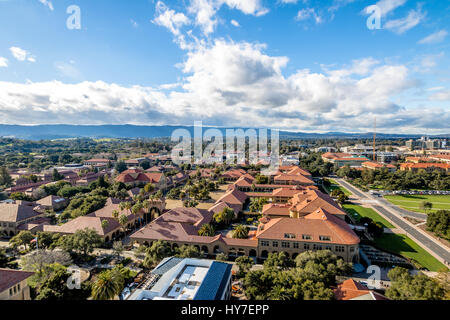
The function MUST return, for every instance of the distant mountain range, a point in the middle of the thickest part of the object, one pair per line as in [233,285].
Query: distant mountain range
[65,131]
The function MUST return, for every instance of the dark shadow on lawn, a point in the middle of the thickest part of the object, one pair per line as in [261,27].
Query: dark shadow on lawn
[393,243]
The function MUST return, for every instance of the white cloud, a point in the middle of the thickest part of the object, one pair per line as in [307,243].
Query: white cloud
[402,25]
[434,38]
[47,4]
[169,18]
[21,54]
[387,6]
[3,62]
[68,70]
[305,14]
[289,1]
[442,95]
[235,23]
[233,84]
[205,11]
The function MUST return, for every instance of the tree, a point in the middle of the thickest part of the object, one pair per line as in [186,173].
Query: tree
[145,164]
[207,230]
[5,179]
[123,220]
[245,264]
[82,241]
[36,260]
[51,284]
[279,260]
[156,252]
[405,286]
[118,248]
[56,176]
[120,166]
[23,238]
[342,198]
[108,285]
[186,251]
[222,257]
[426,206]
[240,232]
[149,187]
[439,223]
[3,258]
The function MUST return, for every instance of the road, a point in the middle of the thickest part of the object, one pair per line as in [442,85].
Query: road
[395,214]
[362,195]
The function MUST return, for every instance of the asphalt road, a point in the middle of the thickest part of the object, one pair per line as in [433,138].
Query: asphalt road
[381,207]
[425,241]
[362,195]
[418,215]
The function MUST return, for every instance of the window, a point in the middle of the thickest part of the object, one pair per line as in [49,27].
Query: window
[10,292]
[18,287]
[340,248]
[317,247]
[328,248]
[324,238]
[306,246]
[275,244]
[285,244]
[295,245]
[306,237]
[289,236]
[264,243]
[352,249]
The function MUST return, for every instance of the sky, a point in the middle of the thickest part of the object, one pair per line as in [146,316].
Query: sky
[298,65]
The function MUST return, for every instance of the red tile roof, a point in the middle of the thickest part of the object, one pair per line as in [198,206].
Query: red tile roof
[319,223]
[350,289]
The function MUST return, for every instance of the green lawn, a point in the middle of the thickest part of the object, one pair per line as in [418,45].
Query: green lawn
[334,185]
[403,245]
[357,212]
[412,202]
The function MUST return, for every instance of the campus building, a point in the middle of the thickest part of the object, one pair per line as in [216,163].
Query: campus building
[186,279]
[13,284]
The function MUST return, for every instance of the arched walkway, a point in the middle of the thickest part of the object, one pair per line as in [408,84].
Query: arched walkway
[252,253]
[264,254]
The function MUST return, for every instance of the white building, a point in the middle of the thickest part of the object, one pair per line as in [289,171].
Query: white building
[186,279]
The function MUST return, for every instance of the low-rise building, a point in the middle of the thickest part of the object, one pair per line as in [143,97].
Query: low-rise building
[12,215]
[371,165]
[344,159]
[430,167]
[352,290]
[13,284]
[186,279]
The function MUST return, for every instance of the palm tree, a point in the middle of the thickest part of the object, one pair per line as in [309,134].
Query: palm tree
[107,286]
[123,220]
[206,230]
[240,232]
[146,206]
[115,213]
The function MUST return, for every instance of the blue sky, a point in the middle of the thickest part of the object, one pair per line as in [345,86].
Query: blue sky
[304,65]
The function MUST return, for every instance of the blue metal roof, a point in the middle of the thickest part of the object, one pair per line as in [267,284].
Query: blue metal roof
[214,282]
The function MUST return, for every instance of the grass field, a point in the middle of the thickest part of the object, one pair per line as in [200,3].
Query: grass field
[357,212]
[412,202]
[403,245]
[334,185]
